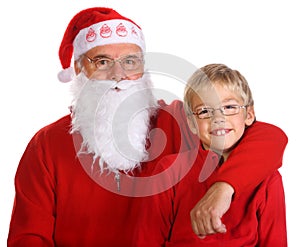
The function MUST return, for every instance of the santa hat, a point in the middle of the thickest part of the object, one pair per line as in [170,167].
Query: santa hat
[95,27]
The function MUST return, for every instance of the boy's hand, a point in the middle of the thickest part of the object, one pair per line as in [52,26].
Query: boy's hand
[206,215]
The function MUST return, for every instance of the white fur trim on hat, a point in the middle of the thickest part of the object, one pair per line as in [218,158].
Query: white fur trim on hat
[66,75]
[107,32]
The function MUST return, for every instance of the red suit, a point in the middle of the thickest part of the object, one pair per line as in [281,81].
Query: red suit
[58,204]
[256,217]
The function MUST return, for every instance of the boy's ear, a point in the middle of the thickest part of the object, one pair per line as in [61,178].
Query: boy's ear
[192,125]
[250,117]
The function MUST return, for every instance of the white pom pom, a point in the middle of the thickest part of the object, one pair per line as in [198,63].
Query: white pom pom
[66,75]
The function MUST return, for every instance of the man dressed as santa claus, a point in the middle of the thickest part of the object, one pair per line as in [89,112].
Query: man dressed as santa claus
[81,179]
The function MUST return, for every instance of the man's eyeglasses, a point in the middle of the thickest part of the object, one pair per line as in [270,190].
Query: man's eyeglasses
[128,63]
[226,110]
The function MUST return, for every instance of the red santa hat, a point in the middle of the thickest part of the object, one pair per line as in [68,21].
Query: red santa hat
[95,27]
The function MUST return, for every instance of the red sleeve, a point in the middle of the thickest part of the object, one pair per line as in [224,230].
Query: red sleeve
[32,221]
[272,216]
[258,155]
[170,133]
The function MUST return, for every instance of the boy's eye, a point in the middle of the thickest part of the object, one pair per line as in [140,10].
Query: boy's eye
[229,107]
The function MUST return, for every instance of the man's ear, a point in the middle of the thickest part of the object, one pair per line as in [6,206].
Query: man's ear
[250,117]
[77,67]
[192,124]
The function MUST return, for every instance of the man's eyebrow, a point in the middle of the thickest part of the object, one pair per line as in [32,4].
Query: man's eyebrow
[132,55]
[101,56]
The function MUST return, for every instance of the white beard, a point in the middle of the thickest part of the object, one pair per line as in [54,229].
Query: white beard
[113,120]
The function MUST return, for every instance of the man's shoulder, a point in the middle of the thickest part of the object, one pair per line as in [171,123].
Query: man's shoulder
[56,129]
[174,109]
[62,123]
[55,136]
[175,104]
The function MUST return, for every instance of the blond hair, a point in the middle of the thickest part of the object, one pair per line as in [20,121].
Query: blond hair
[212,74]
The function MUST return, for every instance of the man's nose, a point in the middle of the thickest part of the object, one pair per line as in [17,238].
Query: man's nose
[117,73]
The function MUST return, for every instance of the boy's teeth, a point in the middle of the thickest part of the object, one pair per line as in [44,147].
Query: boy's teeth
[220,132]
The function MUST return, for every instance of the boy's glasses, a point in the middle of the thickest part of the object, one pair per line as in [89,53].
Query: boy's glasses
[226,110]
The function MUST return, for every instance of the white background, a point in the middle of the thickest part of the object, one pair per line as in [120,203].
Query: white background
[260,38]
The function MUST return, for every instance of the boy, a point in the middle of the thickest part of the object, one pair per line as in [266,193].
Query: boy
[219,107]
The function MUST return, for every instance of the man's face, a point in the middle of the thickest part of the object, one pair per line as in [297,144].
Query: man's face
[112,106]
[110,52]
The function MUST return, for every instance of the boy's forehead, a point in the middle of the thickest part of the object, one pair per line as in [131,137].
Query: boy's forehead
[214,96]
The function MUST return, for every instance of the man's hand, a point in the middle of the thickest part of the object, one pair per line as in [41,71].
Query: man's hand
[206,215]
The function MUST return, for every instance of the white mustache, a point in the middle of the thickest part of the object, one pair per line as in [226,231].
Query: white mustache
[123,85]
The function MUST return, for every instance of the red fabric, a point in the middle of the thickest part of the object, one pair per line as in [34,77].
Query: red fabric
[255,218]
[81,20]
[58,204]
[261,140]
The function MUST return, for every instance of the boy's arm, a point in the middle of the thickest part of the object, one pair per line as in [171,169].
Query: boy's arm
[257,155]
